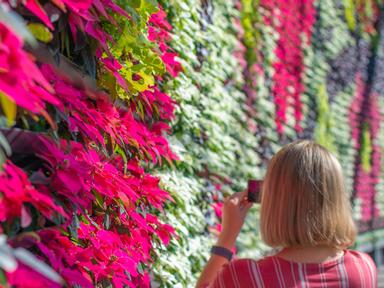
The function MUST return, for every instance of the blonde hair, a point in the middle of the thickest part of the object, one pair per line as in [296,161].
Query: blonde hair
[304,201]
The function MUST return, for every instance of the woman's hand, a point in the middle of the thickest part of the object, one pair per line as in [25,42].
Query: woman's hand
[235,208]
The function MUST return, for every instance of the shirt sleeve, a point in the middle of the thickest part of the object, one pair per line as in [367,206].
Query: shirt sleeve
[371,269]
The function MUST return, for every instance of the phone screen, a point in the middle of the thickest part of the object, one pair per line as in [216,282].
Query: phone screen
[254,188]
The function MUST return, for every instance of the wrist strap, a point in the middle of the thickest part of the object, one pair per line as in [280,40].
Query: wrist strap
[221,251]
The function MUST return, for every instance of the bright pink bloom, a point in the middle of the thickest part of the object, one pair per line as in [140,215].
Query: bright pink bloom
[25,276]
[95,120]
[158,31]
[291,19]
[67,258]
[218,207]
[21,80]
[16,191]
[366,181]
[165,104]
[35,7]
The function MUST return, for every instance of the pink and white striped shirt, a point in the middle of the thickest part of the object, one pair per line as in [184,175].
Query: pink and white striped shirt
[353,270]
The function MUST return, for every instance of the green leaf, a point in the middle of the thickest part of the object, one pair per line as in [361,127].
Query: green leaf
[40,32]
[323,130]
[9,108]
[3,279]
[366,148]
[349,10]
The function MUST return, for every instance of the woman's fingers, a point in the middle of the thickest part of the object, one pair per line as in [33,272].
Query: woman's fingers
[238,198]
[239,201]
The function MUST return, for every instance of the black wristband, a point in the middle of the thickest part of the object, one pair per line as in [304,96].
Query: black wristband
[221,251]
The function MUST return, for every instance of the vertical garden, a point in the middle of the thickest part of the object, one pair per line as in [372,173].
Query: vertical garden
[124,124]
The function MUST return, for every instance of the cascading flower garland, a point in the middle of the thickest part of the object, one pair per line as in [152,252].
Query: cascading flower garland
[369,161]
[292,20]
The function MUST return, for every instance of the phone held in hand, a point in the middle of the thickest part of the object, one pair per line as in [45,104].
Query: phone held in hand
[254,189]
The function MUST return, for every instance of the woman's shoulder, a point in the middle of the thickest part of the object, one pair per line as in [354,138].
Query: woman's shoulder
[358,256]
[362,260]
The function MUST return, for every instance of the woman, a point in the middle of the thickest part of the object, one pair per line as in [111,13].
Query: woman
[305,212]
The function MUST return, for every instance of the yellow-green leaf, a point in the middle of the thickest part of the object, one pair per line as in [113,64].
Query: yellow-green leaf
[349,10]
[40,32]
[9,108]
[366,148]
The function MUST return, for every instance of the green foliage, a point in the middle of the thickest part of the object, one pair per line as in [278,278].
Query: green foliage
[323,133]
[135,52]
[366,148]
[40,32]
[350,10]
[331,118]
[251,21]
[341,131]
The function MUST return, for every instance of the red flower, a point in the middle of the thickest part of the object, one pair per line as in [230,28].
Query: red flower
[294,19]
[20,78]
[16,191]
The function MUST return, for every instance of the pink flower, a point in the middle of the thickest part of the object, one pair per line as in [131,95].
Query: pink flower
[21,80]
[158,31]
[217,207]
[95,120]
[35,7]
[17,191]
[164,104]
[67,258]
[289,65]
[27,277]
[172,66]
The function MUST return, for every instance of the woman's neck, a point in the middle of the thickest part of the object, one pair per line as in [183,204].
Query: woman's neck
[310,254]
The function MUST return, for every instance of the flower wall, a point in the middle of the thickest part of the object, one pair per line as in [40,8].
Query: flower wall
[84,120]
[124,124]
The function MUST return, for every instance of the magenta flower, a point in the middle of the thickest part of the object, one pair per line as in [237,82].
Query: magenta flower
[289,66]
[35,7]
[158,31]
[27,277]
[95,120]
[366,181]
[21,80]
[107,232]
[16,191]
[67,258]
[68,176]
[165,105]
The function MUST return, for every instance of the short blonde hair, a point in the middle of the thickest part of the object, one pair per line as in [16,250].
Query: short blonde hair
[304,201]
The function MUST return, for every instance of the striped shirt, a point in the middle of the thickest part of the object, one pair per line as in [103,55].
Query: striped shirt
[353,270]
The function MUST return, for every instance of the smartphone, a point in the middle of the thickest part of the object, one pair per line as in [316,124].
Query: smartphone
[254,189]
